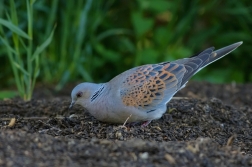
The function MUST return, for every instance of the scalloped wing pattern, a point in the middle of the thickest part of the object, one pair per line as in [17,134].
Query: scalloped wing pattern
[150,85]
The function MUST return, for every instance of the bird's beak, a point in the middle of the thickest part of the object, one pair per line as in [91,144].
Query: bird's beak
[72,104]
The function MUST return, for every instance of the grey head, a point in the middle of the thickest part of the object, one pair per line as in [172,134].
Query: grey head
[82,93]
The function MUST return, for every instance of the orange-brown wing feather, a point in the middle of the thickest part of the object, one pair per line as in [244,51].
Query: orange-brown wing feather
[150,85]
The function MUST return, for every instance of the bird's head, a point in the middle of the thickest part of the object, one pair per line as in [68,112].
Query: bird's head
[81,94]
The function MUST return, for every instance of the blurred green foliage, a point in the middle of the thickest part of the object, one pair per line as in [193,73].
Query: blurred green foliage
[22,53]
[96,40]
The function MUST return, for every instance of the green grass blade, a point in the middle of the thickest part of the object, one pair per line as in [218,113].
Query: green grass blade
[21,68]
[14,19]
[84,73]
[29,7]
[7,45]
[14,28]
[118,31]
[43,46]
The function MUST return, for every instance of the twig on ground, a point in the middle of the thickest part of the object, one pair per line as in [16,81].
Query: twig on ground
[179,98]
[126,120]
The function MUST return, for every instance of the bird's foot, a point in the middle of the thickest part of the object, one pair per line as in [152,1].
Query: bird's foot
[146,123]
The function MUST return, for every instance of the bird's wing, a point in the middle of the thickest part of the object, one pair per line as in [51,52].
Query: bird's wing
[149,85]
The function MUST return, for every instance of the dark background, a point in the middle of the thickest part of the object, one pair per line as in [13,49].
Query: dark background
[96,40]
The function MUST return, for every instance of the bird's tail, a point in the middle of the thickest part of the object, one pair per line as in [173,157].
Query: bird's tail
[197,62]
[217,54]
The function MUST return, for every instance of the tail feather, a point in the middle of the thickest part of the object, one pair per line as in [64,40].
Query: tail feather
[208,56]
[217,54]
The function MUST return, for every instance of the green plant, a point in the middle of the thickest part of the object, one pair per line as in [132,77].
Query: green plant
[80,39]
[96,40]
[26,70]
[168,30]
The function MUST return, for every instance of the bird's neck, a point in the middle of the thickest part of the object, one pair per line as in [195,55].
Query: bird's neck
[97,92]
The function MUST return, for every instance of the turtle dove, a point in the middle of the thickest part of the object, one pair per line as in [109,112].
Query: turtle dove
[142,93]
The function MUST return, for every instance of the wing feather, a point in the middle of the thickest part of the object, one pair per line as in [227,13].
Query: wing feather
[151,85]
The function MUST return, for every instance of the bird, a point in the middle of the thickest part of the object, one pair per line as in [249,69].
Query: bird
[141,94]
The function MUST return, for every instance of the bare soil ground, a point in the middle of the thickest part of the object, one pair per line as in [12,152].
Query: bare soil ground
[211,128]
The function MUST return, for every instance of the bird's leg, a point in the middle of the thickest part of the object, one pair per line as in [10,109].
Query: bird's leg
[146,123]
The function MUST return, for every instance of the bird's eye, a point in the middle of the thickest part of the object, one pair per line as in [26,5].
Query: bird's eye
[79,94]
